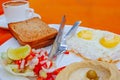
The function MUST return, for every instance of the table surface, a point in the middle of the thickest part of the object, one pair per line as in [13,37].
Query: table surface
[98,14]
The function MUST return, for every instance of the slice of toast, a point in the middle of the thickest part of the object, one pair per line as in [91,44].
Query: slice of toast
[32,31]
[43,44]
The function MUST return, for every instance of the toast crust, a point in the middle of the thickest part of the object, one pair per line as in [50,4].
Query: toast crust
[33,32]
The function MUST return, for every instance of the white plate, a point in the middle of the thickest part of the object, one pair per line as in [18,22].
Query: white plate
[62,60]
[4,24]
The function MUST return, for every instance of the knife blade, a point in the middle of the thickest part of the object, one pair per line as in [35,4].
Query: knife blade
[58,40]
[72,31]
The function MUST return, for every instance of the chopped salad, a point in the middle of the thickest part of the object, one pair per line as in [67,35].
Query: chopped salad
[25,61]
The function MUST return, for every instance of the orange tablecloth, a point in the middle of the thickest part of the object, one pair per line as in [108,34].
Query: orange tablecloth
[100,14]
[4,35]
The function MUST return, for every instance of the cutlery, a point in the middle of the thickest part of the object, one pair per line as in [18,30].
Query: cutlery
[72,31]
[60,46]
[69,34]
[56,44]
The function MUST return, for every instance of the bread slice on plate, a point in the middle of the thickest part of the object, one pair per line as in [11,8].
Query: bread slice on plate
[34,32]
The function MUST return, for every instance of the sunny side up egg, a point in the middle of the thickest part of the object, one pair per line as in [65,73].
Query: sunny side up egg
[96,44]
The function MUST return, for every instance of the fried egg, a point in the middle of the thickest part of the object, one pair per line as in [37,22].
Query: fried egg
[96,44]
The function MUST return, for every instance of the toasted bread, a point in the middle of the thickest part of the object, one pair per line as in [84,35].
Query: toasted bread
[32,31]
[43,44]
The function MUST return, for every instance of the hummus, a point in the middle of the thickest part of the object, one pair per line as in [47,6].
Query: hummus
[79,71]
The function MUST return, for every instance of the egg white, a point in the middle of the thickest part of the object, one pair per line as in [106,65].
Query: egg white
[92,49]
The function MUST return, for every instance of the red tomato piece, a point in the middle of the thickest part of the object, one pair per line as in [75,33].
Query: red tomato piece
[44,65]
[66,52]
[50,78]
[30,56]
[57,71]
[47,64]
[41,58]
[37,68]
[41,78]
[18,62]
[46,53]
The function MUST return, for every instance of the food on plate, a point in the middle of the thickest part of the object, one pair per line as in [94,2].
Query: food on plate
[34,32]
[26,61]
[91,74]
[85,34]
[29,63]
[110,41]
[15,54]
[50,75]
[89,70]
[96,45]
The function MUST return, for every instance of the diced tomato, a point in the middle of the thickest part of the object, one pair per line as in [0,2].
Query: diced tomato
[37,68]
[66,52]
[41,58]
[46,53]
[44,65]
[18,62]
[41,78]
[50,76]
[57,71]
[30,56]
[47,64]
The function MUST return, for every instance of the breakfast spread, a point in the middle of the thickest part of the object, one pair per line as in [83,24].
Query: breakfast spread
[26,61]
[96,52]
[89,70]
[98,49]
[34,32]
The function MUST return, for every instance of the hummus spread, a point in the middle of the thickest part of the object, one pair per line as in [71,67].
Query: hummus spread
[79,71]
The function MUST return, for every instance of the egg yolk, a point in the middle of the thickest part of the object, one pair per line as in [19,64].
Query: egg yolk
[85,34]
[110,41]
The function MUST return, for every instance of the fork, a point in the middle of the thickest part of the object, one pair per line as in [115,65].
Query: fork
[59,46]
[63,46]
[55,47]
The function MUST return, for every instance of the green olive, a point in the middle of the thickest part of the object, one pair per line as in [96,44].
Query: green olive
[92,75]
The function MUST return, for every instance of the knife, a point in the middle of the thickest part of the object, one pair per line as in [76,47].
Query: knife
[73,30]
[57,42]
